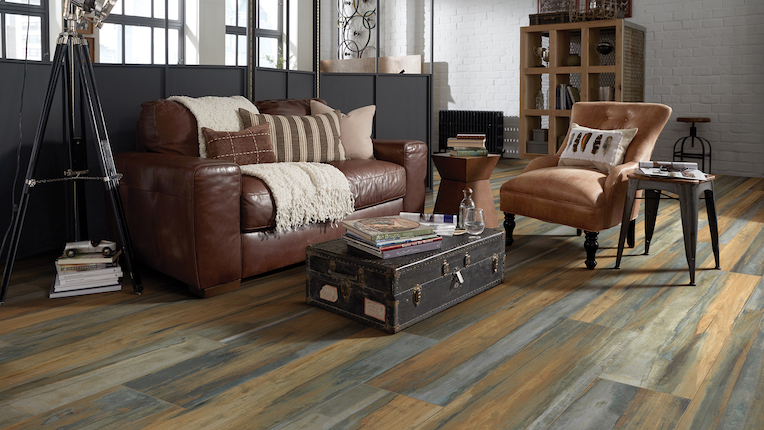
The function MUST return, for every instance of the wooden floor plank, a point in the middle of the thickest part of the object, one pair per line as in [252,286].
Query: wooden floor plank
[38,399]
[284,394]
[533,387]
[741,255]
[674,353]
[366,408]
[202,377]
[345,408]
[117,408]
[730,398]
[609,405]
[400,412]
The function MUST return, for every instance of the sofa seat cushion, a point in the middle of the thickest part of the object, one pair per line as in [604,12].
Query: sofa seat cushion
[371,182]
[577,192]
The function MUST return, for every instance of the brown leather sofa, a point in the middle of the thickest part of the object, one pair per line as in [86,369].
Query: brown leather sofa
[201,222]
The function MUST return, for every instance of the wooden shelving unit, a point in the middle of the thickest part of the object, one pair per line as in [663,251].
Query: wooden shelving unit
[622,69]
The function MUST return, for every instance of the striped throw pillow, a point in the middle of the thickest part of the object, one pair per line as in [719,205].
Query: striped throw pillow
[301,138]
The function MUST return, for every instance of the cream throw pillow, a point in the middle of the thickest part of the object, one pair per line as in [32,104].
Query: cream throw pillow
[355,129]
[601,149]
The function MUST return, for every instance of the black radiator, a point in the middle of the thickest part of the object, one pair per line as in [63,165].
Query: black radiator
[490,123]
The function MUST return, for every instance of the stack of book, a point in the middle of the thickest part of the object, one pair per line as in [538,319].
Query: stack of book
[467,144]
[390,236]
[86,273]
[567,95]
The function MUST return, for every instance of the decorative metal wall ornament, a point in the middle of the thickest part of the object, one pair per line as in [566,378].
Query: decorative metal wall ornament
[356,20]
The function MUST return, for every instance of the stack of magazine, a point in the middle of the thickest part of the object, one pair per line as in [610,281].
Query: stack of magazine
[390,236]
[86,273]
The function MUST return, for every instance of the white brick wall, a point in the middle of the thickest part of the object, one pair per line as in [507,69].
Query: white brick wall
[704,58]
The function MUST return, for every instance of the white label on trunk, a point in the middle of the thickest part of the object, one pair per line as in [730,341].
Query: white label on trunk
[374,309]
[328,293]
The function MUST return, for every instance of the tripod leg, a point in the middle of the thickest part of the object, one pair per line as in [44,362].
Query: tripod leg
[19,212]
[106,159]
[77,219]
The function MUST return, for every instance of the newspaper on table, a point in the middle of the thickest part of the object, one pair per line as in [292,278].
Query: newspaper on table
[671,169]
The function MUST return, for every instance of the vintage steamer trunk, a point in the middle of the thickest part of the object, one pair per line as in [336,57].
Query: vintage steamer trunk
[395,293]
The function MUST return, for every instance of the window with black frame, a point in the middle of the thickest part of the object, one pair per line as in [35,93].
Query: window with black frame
[236,32]
[269,32]
[24,30]
[136,24]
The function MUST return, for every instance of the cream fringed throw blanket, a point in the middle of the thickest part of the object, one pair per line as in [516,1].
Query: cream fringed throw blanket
[216,113]
[305,193]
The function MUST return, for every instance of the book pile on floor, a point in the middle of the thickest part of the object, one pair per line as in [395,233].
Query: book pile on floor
[390,236]
[86,273]
[467,145]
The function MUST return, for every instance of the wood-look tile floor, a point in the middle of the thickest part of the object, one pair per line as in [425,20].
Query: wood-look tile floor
[555,346]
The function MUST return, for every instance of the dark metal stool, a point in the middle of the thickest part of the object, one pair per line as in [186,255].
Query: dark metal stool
[689,192]
[680,154]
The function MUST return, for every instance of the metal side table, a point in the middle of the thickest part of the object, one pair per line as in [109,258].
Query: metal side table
[689,194]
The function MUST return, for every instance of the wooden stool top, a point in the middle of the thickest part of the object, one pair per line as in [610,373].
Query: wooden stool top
[693,119]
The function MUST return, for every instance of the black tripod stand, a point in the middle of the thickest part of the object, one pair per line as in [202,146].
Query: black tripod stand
[72,59]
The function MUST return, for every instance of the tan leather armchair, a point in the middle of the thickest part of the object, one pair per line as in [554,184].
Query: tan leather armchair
[584,198]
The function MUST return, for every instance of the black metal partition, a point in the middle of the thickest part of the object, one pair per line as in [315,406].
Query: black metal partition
[404,103]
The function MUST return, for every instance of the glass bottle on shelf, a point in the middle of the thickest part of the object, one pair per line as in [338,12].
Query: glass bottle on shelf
[466,203]
[540,99]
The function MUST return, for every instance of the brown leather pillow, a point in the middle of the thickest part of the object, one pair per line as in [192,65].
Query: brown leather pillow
[249,146]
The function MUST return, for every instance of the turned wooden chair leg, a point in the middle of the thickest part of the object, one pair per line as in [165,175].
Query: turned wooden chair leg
[591,245]
[631,234]
[509,227]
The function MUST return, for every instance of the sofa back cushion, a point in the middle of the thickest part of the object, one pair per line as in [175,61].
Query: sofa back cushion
[286,106]
[168,127]
[301,137]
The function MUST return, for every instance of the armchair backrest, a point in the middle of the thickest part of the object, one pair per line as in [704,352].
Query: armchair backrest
[649,118]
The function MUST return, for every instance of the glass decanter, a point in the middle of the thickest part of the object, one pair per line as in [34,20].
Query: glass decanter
[466,203]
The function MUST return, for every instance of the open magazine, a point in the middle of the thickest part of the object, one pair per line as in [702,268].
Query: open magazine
[671,169]
[443,225]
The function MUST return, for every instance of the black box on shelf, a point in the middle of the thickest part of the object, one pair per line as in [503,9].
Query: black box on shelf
[540,134]
[536,147]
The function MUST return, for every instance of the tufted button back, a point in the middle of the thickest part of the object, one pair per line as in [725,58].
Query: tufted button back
[649,118]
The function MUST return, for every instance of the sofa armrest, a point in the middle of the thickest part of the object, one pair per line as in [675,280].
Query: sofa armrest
[184,217]
[412,155]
